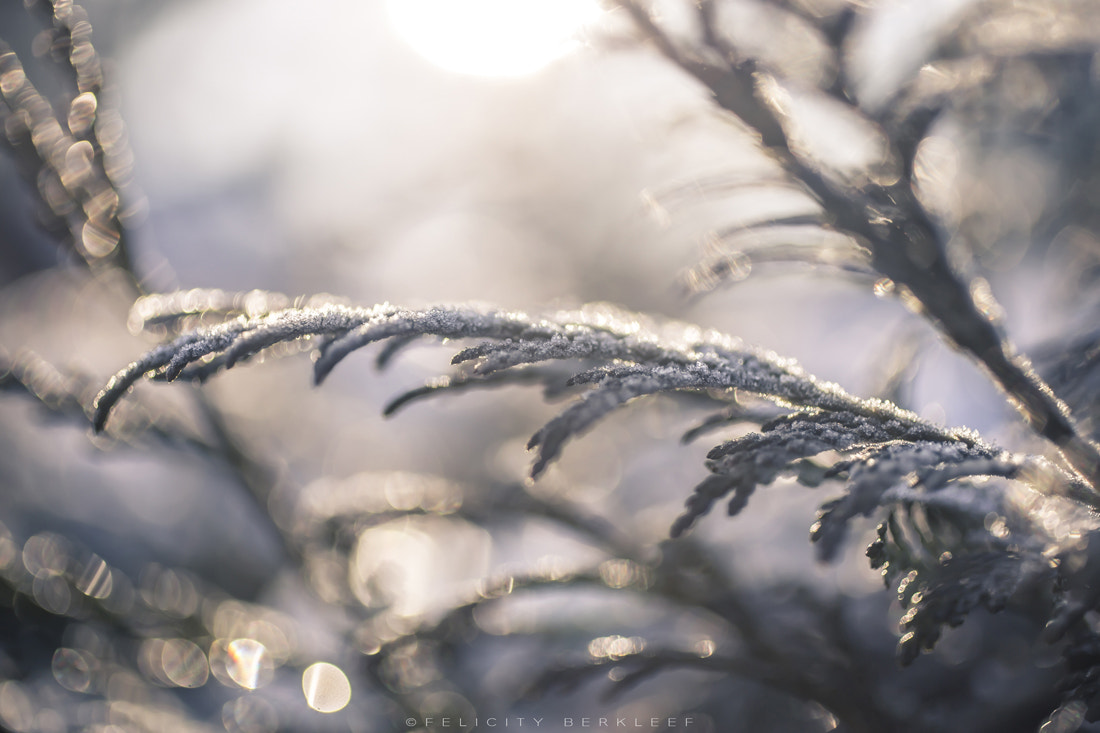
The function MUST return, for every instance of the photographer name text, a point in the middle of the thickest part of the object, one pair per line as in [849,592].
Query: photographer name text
[566,722]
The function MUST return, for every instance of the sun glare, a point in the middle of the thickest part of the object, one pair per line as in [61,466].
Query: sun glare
[491,37]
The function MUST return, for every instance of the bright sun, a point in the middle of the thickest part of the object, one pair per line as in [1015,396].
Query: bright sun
[491,37]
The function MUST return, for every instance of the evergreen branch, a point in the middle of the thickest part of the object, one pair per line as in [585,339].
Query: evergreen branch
[904,242]
[235,340]
[879,471]
[392,322]
[759,458]
[614,387]
[640,358]
[673,357]
[978,579]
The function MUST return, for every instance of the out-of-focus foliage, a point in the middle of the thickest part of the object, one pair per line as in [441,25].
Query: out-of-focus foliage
[394,597]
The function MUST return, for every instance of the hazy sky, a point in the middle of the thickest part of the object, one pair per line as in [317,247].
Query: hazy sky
[313,150]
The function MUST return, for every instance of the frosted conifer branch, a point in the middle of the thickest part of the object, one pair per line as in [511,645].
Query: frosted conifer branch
[673,357]
[981,551]
[391,322]
[233,341]
[634,357]
[614,386]
[880,470]
[715,359]
[759,458]
[978,579]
